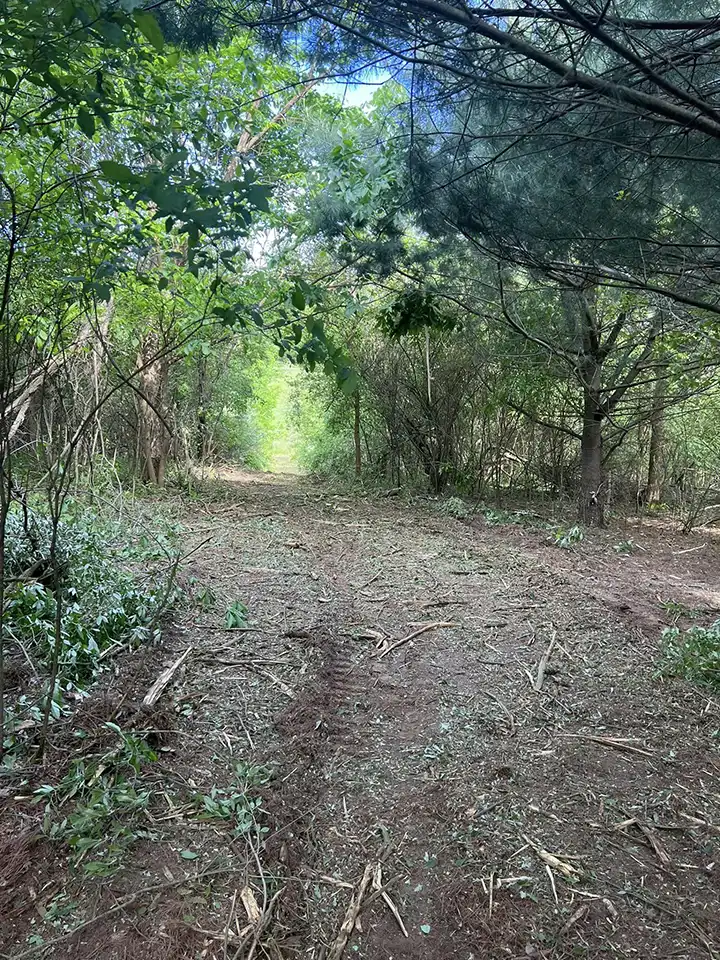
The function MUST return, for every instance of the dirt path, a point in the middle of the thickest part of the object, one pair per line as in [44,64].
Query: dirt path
[518,804]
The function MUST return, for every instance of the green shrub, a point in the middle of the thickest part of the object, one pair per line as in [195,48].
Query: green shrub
[693,654]
[100,602]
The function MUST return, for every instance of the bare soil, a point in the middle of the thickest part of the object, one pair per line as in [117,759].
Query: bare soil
[518,777]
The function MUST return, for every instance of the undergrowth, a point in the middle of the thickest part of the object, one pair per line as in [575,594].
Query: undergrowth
[81,579]
[693,654]
[93,809]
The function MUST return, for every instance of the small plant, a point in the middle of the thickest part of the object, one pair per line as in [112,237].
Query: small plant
[625,546]
[694,654]
[101,796]
[236,803]
[675,610]
[568,537]
[206,598]
[454,507]
[236,615]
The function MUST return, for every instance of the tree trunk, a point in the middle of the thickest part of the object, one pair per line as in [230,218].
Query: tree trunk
[203,433]
[654,490]
[592,485]
[356,435]
[152,410]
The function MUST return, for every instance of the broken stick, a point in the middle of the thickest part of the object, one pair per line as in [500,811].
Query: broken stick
[439,625]
[156,690]
[542,667]
[351,914]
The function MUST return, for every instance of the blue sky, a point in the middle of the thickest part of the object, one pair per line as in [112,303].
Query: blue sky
[357,93]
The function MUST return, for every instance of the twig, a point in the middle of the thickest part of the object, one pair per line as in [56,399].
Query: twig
[272,678]
[614,742]
[498,701]
[439,625]
[118,908]
[552,882]
[660,851]
[378,887]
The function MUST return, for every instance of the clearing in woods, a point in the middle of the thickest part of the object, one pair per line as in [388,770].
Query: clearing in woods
[516,779]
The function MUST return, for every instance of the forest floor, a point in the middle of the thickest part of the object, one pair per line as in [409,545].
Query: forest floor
[517,779]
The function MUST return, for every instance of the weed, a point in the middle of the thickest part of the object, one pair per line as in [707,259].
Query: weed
[625,546]
[675,610]
[567,537]
[694,654]
[236,615]
[236,803]
[102,605]
[206,598]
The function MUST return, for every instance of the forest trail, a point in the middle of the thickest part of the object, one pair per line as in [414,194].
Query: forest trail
[519,804]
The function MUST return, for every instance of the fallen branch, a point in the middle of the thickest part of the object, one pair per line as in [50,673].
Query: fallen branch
[378,887]
[128,901]
[542,666]
[156,690]
[351,914]
[439,625]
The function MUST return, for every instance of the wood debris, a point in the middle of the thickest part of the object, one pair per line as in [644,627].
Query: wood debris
[542,666]
[157,689]
[438,625]
[247,897]
[378,887]
[337,948]
[554,862]
[579,915]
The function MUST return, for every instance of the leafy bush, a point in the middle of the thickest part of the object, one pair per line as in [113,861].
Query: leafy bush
[236,804]
[694,654]
[454,507]
[101,605]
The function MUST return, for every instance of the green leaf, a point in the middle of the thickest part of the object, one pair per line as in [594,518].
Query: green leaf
[163,283]
[86,122]
[298,300]
[188,855]
[348,381]
[149,28]
[116,172]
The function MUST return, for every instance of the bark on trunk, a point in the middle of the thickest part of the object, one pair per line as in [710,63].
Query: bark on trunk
[592,481]
[153,432]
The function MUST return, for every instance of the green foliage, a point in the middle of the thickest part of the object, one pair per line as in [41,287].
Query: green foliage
[237,804]
[412,311]
[625,546]
[93,808]
[568,536]
[454,507]
[236,615]
[101,603]
[693,654]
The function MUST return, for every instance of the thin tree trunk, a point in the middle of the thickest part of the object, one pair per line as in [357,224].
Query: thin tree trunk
[657,440]
[356,435]
[153,436]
